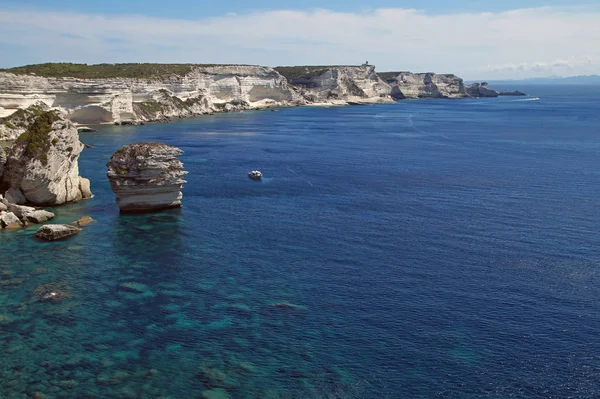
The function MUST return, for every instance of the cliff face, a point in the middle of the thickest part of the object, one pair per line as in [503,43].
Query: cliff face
[424,85]
[43,162]
[481,90]
[342,83]
[201,90]
[146,177]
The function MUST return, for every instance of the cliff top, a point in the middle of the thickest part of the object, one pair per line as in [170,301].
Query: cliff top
[310,71]
[106,71]
[392,75]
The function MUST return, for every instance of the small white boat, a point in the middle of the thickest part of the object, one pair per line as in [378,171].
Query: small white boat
[255,175]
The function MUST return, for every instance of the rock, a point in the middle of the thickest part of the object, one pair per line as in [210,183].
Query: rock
[481,90]
[146,177]
[9,220]
[512,93]
[82,221]
[85,129]
[3,207]
[15,196]
[51,232]
[20,210]
[84,187]
[43,162]
[38,216]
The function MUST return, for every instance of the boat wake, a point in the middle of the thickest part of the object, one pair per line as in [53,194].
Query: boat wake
[528,99]
[305,179]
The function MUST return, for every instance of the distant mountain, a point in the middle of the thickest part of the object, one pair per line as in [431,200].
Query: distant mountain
[556,80]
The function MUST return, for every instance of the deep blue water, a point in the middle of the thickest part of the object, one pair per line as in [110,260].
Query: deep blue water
[425,249]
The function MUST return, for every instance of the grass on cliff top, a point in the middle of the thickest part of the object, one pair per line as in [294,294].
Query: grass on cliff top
[106,71]
[37,137]
[306,71]
[22,118]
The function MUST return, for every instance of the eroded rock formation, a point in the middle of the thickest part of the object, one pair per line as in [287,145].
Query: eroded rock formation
[424,85]
[146,177]
[43,162]
[481,90]
[356,84]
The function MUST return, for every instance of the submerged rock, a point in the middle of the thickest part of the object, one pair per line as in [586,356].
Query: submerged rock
[51,232]
[51,292]
[146,177]
[82,221]
[43,162]
[217,393]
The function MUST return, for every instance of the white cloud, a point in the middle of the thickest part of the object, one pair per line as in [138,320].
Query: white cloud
[513,44]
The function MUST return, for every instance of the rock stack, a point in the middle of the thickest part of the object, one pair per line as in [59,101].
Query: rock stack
[481,90]
[146,177]
[42,165]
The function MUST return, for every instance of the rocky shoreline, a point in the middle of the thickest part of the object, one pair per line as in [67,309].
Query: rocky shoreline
[201,90]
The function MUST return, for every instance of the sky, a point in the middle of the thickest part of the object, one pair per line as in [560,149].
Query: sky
[474,39]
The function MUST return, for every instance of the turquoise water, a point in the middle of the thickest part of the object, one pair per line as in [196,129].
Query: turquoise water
[426,249]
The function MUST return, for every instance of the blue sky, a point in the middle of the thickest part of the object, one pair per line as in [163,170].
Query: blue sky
[197,8]
[475,39]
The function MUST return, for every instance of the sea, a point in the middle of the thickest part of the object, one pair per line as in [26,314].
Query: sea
[423,249]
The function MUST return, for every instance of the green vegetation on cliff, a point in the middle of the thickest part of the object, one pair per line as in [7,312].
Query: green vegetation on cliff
[37,137]
[22,118]
[105,71]
[292,73]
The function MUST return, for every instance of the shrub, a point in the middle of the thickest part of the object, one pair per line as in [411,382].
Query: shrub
[36,138]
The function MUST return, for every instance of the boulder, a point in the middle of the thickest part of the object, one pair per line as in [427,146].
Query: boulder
[9,220]
[15,196]
[51,232]
[3,207]
[43,162]
[20,210]
[38,216]
[146,177]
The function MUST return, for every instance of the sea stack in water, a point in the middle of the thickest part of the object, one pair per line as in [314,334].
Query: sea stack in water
[146,177]
[43,162]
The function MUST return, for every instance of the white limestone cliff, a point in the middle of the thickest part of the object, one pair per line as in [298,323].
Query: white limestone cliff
[424,85]
[338,84]
[43,162]
[107,100]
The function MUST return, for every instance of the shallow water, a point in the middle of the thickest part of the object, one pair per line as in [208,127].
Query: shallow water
[426,249]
